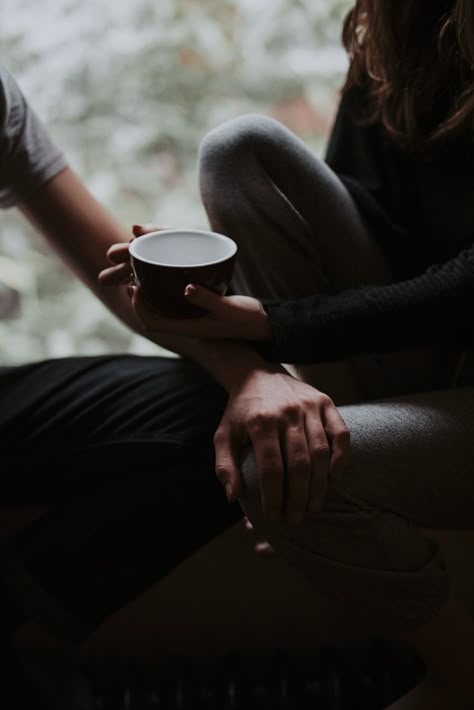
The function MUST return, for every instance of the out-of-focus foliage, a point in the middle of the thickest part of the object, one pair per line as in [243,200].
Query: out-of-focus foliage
[128,90]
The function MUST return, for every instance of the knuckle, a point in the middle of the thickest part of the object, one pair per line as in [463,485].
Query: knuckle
[292,411]
[343,436]
[261,421]
[220,436]
[321,450]
[324,400]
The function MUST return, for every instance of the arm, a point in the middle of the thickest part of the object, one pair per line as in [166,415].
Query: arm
[265,405]
[434,308]
[82,231]
[34,175]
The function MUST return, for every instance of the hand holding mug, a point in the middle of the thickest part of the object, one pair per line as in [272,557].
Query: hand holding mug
[168,298]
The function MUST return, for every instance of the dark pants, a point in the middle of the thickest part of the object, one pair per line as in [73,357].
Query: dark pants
[121,447]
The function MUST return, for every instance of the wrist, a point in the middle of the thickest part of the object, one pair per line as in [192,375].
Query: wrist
[231,363]
[247,365]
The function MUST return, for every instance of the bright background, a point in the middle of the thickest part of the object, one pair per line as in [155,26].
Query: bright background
[128,90]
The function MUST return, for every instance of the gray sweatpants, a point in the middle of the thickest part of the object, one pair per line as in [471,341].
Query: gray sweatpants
[299,232]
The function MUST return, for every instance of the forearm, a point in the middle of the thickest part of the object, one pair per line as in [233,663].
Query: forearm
[228,362]
[427,310]
[82,231]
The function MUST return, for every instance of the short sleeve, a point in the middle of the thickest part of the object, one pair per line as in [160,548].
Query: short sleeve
[28,156]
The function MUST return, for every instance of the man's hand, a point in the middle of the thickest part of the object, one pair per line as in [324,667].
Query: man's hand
[297,434]
[120,271]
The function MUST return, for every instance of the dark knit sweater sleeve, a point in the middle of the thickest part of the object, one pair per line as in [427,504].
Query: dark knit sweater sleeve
[433,308]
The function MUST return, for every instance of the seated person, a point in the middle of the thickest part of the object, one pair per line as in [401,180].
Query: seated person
[337,262]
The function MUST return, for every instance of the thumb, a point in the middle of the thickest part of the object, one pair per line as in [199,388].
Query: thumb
[203,297]
[227,469]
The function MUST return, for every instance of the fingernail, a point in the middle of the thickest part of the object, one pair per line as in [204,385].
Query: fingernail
[228,491]
[190,290]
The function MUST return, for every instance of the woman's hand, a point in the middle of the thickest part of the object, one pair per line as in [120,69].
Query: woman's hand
[229,317]
[296,432]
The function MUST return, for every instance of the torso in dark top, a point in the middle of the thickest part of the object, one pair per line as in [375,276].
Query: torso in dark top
[420,209]
[421,212]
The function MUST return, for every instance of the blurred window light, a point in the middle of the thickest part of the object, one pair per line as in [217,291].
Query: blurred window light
[128,90]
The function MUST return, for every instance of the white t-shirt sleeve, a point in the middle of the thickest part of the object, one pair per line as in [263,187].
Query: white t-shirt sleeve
[28,156]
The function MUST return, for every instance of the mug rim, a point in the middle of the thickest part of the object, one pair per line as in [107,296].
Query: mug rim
[163,232]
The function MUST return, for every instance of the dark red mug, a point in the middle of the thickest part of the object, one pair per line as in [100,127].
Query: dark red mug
[165,262]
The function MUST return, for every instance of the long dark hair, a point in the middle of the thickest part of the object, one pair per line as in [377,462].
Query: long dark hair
[416,59]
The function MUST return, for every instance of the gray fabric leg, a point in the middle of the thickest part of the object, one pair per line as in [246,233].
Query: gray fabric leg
[411,468]
[297,228]
[299,233]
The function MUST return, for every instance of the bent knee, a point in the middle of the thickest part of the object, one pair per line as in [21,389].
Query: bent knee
[233,143]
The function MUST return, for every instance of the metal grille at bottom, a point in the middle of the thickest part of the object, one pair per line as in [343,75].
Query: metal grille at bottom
[332,684]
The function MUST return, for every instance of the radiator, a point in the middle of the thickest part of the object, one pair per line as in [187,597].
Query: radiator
[331,683]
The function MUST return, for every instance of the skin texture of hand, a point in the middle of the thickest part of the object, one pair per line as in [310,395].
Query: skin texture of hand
[120,271]
[299,439]
[230,317]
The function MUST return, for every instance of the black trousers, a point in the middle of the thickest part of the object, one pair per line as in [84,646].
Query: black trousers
[121,449]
